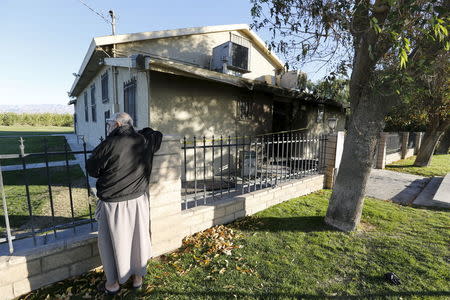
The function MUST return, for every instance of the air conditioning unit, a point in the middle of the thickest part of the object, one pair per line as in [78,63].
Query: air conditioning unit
[294,79]
[232,57]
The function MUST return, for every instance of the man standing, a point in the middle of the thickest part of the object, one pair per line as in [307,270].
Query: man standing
[122,164]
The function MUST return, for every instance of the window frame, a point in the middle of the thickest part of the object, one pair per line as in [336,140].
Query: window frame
[86,106]
[245,108]
[105,87]
[93,104]
[130,93]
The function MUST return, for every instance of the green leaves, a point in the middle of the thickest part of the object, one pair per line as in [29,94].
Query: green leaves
[403,52]
[439,28]
[374,25]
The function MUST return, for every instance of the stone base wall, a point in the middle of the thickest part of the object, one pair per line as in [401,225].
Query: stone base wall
[30,270]
[226,211]
[393,157]
[409,152]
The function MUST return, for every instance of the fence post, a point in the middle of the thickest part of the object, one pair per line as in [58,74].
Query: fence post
[380,158]
[333,154]
[404,149]
[5,214]
[418,142]
[166,221]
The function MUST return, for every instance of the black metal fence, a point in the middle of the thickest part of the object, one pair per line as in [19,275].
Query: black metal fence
[393,143]
[216,168]
[64,177]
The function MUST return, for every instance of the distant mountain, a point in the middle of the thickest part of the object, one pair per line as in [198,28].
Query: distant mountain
[38,108]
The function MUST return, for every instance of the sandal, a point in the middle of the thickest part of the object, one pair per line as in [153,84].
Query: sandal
[102,289]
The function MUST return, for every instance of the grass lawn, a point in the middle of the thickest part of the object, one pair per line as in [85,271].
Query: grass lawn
[39,197]
[439,166]
[33,144]
[287,252]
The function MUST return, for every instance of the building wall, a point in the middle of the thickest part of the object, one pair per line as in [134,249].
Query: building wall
[92,131]
[142,112]
[197,50]
[190,107]
[187,107]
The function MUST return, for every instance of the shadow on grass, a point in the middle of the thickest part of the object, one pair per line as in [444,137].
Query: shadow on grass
[275,295]
[303,224]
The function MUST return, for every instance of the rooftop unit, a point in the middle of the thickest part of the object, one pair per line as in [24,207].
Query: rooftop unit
[232,57]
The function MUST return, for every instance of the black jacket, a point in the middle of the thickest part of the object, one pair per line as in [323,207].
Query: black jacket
[123,163]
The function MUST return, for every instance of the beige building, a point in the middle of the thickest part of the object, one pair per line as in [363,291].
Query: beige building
[204,81]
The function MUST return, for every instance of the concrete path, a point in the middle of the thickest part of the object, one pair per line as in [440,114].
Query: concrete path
[436,193]
[72,140]
[399,187]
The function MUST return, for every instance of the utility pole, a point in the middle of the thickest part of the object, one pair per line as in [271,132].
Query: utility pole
[113,22]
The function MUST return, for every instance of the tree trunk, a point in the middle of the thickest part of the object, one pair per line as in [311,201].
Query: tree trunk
[427,147]
[444,144]
[366,123]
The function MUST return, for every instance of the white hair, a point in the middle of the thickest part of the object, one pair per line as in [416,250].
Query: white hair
[123,118]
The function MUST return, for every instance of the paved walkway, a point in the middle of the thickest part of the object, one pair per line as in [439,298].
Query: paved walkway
[436,193]
[79,158]
[399,187]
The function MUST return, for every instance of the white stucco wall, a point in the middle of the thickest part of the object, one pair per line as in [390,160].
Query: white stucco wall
[92,131]
[197,50]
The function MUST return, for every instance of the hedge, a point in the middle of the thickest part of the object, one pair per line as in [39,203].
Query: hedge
[42,119]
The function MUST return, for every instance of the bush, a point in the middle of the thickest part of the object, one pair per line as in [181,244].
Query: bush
[44,119]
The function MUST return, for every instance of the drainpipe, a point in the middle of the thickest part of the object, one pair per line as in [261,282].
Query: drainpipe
[114,69]
[115,90]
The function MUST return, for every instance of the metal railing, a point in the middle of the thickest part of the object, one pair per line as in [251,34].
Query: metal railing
[46,156]
[217,168]
[393,143]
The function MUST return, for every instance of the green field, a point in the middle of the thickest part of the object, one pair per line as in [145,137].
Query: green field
[32,130]
[439,166]
[9,143]
[288,252]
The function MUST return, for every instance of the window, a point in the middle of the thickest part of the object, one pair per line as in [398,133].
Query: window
[86,107]
[129,99]
[105,96]
[107,116]
[244,109]
[93,104]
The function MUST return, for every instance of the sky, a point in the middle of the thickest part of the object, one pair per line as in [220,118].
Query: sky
[44,41]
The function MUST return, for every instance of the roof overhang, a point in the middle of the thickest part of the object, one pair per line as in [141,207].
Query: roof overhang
[96,52]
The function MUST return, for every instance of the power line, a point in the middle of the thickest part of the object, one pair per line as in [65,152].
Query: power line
[97,13]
